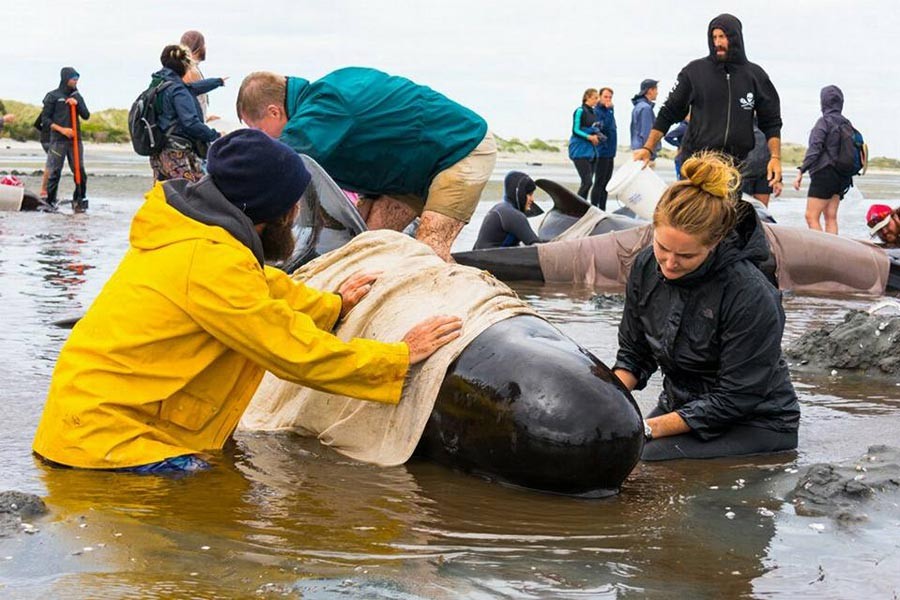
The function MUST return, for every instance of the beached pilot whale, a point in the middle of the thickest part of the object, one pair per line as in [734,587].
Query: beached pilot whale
[602,250]
[527,405]
[522,404]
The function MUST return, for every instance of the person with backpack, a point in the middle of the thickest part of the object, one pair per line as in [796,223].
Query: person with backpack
[57,121]
[180,118]
[830,162]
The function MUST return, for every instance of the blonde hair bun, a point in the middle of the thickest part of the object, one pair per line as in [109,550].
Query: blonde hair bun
[713,173]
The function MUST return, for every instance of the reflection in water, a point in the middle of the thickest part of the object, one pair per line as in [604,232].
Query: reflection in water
[60,259]
[283,512]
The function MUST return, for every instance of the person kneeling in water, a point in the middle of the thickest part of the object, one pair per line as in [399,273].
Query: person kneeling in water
[506,223]
[164,363]
[697,306]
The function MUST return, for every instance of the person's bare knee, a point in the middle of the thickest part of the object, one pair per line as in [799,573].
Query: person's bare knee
[439,232]
[389,213]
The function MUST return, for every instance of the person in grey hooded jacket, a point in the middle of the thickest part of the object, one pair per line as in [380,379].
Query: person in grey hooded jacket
[827,186]
[698,307]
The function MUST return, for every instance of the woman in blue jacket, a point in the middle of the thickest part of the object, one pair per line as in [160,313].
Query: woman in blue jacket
[585,139]
[181,118]
[606,149]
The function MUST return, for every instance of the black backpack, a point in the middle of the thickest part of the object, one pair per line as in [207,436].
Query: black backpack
[146,137]
[852,152]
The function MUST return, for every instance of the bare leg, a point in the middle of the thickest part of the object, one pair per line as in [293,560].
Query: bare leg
[389,213]
[764,198]
[44,183]
[439,232]
[814,209]
[831,211]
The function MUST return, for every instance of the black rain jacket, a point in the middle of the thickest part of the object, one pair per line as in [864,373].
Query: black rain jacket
[56,109]
[722,98]
[716,335]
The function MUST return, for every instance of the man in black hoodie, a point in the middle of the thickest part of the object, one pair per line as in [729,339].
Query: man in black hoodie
[722,92]
[56,117]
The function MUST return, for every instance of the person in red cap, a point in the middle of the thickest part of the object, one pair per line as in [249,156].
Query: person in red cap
[884,222]
[160,369]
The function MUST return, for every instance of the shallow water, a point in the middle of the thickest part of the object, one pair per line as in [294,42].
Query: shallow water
[281,515]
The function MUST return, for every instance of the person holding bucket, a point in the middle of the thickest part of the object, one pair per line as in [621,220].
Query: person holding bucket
[698,307]
[723,92]
[63,110]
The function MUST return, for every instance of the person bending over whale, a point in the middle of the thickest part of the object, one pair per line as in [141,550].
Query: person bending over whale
[506,223]
[698,308]
[162,366]
[407,149]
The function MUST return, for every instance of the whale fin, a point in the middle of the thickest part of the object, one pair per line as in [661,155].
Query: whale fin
[564,200]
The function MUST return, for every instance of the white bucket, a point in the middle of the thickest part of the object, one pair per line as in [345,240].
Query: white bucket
[11,197]
[636,188]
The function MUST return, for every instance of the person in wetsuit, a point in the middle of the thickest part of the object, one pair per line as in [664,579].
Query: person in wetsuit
[506,223]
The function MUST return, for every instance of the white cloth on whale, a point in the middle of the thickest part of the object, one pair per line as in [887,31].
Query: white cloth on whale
[415,285]
[583,226]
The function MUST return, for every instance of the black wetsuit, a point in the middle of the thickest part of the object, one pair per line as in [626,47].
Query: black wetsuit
[506,224]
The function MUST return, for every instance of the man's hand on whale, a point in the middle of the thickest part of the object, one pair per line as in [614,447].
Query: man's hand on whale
[355,288]
[429,335]
[424,339]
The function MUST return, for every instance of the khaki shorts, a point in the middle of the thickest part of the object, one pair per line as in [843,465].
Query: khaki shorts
[455,191]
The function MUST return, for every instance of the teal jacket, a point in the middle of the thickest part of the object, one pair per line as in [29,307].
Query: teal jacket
[378,134]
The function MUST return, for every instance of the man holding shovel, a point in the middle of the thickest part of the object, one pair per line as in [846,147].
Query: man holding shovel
[62,108]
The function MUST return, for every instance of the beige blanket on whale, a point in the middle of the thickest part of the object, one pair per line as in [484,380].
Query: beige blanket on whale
[415,285]
[806,261]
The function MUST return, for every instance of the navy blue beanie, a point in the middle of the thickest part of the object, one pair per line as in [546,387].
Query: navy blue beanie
[262,177]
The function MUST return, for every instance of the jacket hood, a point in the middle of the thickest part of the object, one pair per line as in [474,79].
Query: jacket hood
[516,187]
[832,99]
[639,98]
[747,241]
[179,210]
[733,29]
[167,74]
[65,74]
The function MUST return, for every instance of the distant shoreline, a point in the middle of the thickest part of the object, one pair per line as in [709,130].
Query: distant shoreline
[112,158]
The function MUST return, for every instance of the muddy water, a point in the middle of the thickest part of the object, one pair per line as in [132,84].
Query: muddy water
[282,516]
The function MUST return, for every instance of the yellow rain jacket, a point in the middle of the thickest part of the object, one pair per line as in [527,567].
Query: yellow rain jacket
[168,356]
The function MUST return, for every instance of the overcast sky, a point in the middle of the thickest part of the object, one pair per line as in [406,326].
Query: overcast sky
[521,64]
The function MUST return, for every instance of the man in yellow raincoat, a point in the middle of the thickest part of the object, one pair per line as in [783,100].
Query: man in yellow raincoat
[166,359]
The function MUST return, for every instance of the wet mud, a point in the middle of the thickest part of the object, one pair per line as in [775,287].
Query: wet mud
[17,509]
[847,490]
[863,342]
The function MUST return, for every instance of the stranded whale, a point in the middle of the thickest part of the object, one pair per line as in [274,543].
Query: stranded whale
[522,403]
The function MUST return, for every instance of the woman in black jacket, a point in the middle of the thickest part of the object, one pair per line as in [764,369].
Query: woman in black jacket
[698,307]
